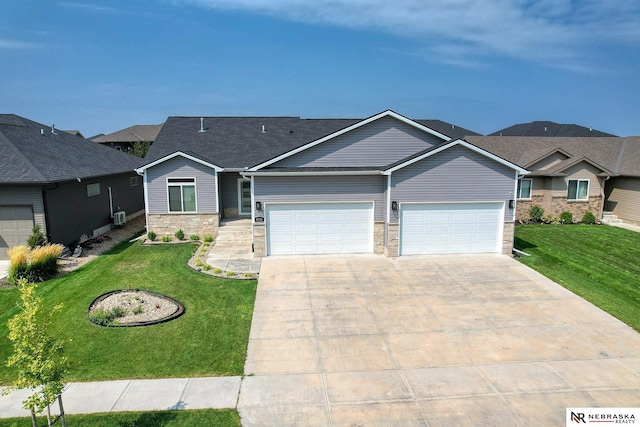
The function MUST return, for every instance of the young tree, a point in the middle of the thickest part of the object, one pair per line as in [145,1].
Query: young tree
[37,355]
[141,148]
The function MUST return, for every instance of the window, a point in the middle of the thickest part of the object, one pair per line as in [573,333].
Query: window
[182,194]
[133,181]
[524,188]
[578,189]
[93,189]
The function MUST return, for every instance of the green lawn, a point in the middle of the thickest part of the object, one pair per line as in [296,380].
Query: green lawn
[597,262]
[191,418]
[210,339]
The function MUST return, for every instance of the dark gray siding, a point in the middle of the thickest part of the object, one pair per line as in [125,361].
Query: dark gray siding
[454,175]
[323,189]
[71,212]
[379,143]
[229,189]
[20,195]
[179,167]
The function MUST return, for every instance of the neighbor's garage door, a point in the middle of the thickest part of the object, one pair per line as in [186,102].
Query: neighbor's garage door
[330,228]
[16,223]
[450,228]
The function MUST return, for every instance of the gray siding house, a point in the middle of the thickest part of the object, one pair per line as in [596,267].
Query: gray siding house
[66,184]
[386,184]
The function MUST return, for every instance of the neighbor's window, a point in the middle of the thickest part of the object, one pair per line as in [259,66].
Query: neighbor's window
[524,188]
[93,189]
[133,181]
[578,189]
[182,194]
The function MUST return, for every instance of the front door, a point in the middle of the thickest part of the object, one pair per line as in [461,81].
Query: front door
[244,197]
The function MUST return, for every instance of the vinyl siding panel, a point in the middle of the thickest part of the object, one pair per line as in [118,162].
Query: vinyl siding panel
[323,189]
[229,189]
[379,143]
[623,198]
[454,175]
[71,212]
[25,196]
[580,171]
[179,167]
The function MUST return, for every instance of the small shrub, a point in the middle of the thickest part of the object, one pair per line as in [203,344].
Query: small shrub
[208,238]
[566,217]
[137,310]
[206,267]
[199,262]
[180,234]
[38,264]
[18,262]
[102,317]
[205,245]
[551,219]
[230,274]
[152,236]
[36,238]
[217,271]
[536,213]
[165,239]
[194,237]
[589,218]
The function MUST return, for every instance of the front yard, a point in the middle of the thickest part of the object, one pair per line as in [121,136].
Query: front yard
[599,263]
[210,339]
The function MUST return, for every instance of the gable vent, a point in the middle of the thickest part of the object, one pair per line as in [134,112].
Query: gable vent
[202,125]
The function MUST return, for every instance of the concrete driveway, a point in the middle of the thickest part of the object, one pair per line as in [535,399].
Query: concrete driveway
[428,341]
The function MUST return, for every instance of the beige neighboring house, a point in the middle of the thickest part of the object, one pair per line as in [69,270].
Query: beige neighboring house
[575,174]
[124,139]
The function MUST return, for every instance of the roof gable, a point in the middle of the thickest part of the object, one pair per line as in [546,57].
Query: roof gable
[548,159]
[548,128]
[445,146]
[190,156]
[349,129]
[568,163]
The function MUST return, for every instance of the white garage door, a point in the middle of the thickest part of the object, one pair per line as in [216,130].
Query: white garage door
[450,228]
[328,228]
[16,223]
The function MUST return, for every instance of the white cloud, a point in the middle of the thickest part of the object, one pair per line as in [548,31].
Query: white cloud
[17,44]
[556,32]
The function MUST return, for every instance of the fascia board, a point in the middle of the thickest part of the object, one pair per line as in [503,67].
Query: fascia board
[141,169]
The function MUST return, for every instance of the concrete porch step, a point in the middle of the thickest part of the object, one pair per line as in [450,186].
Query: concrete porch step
[610,218]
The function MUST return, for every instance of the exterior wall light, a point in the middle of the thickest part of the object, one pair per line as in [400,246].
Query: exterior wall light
[394,206]
[511,204]
[258,206]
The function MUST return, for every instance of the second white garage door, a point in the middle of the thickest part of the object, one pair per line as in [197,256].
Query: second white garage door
[327,228]
[450,228]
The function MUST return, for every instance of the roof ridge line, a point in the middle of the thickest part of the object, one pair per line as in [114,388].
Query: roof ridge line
[24,158]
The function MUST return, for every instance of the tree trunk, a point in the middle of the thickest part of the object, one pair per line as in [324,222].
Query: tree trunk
[34,420]
[62,416]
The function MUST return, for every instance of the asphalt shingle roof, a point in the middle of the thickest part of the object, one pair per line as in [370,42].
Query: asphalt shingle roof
[147,133]
[239,142]
[29,156]
[618,155]
[547,128]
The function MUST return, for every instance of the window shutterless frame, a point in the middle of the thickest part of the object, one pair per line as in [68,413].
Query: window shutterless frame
[525,185]
[181,195]
[578,189]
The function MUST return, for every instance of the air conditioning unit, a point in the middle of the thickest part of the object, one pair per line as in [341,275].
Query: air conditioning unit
[119,218]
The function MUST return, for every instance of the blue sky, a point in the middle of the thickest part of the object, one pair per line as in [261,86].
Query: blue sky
[103,65]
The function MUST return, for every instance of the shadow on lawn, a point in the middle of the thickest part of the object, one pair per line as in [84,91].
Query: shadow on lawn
[150,419]
[523,245]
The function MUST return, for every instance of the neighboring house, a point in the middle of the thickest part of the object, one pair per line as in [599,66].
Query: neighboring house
[75,132]
[385,184]
[575,174]
[546,128]
[61,182]
[125,139]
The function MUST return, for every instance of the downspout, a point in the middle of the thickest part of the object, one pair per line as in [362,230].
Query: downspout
[110,203]
[602,195]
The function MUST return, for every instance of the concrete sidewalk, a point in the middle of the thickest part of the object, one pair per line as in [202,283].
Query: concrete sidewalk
[232,248]
[135,395]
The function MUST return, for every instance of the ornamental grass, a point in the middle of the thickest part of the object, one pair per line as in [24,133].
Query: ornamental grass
[35,265]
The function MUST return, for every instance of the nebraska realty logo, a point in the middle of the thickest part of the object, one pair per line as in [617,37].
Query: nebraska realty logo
[602,416]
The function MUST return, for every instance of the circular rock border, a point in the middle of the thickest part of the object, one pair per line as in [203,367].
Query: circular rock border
[177,313]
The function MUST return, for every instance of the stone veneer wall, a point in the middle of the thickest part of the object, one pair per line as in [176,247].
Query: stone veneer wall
[259,240]
[557,204]
[392,248]
[378,238]
[168,224]
[507,237]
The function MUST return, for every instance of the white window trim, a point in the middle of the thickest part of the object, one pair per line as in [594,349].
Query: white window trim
[240,181]
[519,188]
[588,181]
[181,184]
